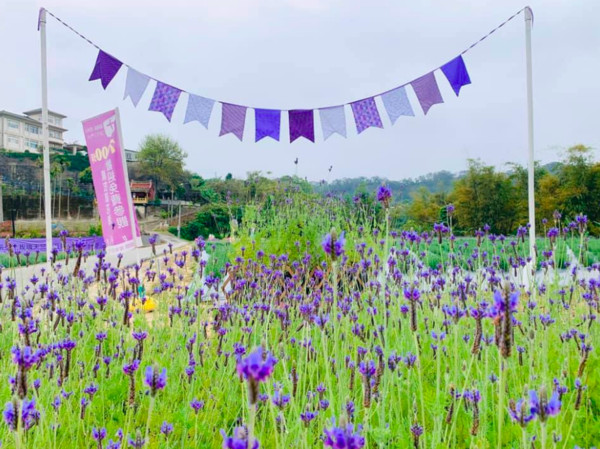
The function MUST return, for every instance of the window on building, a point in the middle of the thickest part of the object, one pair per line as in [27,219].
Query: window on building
[55,134]
[32,129]
[13,124]
[32,144]
[13,141]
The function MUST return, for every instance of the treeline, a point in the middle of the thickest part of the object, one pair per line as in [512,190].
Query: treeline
[484,195]
[481,195]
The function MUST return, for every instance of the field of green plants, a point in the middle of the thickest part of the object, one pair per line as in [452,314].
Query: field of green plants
[319,326]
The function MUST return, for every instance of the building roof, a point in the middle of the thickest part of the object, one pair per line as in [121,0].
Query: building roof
[30,120]
[20,117]
[140,186]
[39,111]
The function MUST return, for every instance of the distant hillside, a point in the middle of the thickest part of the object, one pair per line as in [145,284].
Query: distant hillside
[438,182]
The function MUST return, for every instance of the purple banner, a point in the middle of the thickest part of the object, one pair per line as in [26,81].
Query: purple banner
[111,182]
[302,124]
[366,114]
[267,123]
[456,74]
[33,245]
[105,69]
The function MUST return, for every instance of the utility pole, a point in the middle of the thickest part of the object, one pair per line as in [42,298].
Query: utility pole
[45,138]
[531,162]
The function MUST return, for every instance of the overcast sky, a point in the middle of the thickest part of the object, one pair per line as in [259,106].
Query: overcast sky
[312,53]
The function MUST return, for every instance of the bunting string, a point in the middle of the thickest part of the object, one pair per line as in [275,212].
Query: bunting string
[301,121]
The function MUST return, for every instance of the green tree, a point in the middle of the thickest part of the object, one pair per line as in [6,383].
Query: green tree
[580,183]
[161,159]
[485,196]
[85,176]
[425,208]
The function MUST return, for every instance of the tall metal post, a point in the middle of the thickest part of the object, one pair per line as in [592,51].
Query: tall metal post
[45,137]
[531,165]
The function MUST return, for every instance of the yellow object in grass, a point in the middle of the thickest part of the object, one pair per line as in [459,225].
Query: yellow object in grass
[149,305]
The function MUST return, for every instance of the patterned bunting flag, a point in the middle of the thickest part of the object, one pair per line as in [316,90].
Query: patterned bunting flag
[105,69]
[233,120]
[164,99]
[427,91]
[268,123]
[135,86]
[199,108]
[456,74]
[397,104]
[302,124]
[333,120]
[366,114]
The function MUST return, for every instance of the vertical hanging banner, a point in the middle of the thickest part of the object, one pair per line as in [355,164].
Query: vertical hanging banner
[111,182]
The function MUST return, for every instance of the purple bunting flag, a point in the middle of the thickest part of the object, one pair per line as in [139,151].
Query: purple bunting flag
[268,123]
[427,91]
[199,108]
[105,69]
[366,114]
[135,86]
[302,124]
[397,104]
[164,99]
[333,120]
[456,74]
[233,120]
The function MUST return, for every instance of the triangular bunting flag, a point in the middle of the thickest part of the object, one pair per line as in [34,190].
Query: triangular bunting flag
[366,114]
[456,73]
[302,124]
[135,86]
[233,120]
[268,122]
[164,99]
[333,120]
[397,104]
[105,69]
[427,91]
[199,108]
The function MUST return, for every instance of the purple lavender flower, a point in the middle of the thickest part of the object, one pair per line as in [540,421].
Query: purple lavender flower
[520,412]
[239,440]
[343,437]
[384,195]
[130,368]
[99,435]
[256,367]
[155,380]
[540,405]
[196,405]
[25,358]
[333,245]
[308,416]
[29,414]
[166,429]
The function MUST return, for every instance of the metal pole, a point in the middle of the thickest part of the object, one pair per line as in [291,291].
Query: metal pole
[132,210]
[531,166]
[46,143]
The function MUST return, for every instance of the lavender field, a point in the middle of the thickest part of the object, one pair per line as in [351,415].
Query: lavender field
[324,327]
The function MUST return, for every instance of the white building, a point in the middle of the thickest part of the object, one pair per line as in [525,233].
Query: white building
[131,155]
[22,133]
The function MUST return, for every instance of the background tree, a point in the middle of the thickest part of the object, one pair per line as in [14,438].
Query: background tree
[424,209]
[484,196]
[161,159]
